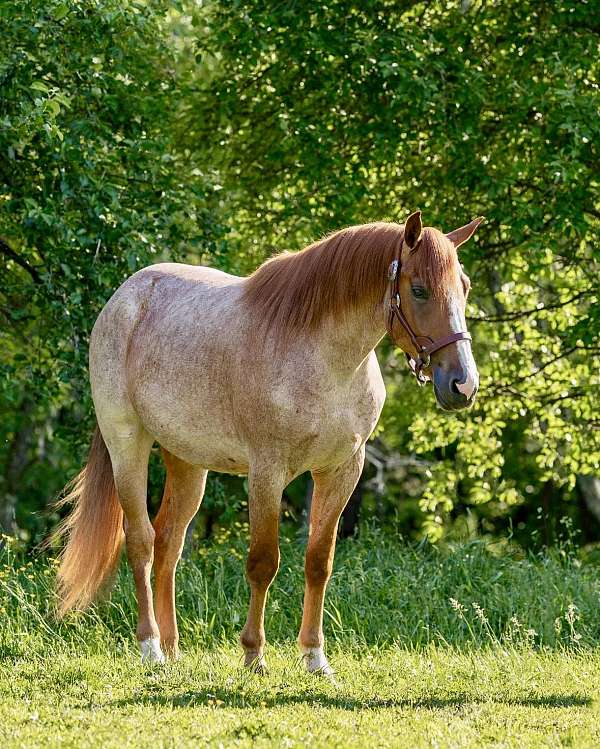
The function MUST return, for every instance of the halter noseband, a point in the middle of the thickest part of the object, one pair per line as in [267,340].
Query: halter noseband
[423,345]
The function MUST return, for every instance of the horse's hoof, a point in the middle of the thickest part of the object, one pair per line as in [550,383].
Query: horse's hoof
[256,663]
[151,652]
[316,663]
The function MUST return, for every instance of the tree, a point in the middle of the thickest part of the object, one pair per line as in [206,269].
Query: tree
[320,117]
[91,188]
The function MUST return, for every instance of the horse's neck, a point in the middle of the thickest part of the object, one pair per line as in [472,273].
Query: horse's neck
[346,341]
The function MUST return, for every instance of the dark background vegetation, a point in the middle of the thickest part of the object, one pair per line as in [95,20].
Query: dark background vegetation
[137,131]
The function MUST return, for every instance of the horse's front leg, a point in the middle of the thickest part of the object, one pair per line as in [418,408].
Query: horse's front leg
[331,492]
[265,486]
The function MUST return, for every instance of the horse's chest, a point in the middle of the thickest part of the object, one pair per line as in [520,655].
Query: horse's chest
[327,428]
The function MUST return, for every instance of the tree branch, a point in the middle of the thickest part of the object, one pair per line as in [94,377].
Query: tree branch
[525,313]
[8,252]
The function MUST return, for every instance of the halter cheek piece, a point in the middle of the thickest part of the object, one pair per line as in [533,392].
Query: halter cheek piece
[423,345]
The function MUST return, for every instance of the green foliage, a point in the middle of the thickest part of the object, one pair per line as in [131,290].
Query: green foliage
[355,113]
[135,131]
[92,188]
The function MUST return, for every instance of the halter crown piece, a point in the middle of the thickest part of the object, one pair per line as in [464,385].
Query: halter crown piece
[423,345]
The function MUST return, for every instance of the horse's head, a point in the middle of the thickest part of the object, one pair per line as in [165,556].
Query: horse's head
[428,295]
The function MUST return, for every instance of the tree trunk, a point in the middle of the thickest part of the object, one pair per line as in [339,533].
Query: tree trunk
[351,514]
[589,486]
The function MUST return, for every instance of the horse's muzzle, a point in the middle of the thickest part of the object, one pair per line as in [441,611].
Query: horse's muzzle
[455,389]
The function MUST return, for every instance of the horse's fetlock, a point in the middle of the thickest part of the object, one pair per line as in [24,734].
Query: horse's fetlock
[252,641]
[311,638]
[170,645]
[145,631]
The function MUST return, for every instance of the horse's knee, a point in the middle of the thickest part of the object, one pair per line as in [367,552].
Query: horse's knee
[262,566]
[162,537]
[318,566]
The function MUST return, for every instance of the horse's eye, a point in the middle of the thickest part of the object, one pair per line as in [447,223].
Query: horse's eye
[419,292]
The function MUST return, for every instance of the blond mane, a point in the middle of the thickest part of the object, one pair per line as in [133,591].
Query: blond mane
[294,291]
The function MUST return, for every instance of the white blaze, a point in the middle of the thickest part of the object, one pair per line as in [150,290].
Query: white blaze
[465,355]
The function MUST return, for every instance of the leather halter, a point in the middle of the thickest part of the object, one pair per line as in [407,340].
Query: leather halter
[423,345]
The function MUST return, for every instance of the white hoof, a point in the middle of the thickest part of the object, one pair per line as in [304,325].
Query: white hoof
[151,652]
[316,662]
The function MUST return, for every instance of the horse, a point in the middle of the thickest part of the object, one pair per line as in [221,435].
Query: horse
[268,376]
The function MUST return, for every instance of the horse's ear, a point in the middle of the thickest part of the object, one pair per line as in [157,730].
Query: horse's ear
[460,236]
[413,229]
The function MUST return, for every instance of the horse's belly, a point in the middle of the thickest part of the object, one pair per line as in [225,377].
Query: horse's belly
[210,451]
[197,431]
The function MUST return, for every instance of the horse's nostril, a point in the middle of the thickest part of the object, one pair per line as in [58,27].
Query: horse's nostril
[454,387]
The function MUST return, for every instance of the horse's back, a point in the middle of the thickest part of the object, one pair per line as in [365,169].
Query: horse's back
[158,296]
[186,274]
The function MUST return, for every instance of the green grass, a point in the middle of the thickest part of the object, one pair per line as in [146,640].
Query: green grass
[461,646]
[391,697]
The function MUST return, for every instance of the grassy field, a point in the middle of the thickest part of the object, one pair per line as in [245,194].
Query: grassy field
[467,646]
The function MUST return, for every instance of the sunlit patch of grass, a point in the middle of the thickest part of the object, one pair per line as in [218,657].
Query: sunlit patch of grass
[383,697]
[456,647]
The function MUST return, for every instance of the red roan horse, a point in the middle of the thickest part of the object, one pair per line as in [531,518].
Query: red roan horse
[269,376]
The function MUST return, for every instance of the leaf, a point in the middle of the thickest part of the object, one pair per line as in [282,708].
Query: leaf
[60,12]
[53,106]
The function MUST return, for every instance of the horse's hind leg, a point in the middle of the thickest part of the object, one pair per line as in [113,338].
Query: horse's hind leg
[129,446]
[183,493]
[264,489]
[330,495]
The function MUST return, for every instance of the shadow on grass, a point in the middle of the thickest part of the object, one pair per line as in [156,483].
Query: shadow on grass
[232,698]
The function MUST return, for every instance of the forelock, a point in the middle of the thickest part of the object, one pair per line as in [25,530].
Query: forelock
[435,261]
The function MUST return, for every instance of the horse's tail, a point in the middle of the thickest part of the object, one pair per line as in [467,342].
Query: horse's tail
[94,531]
